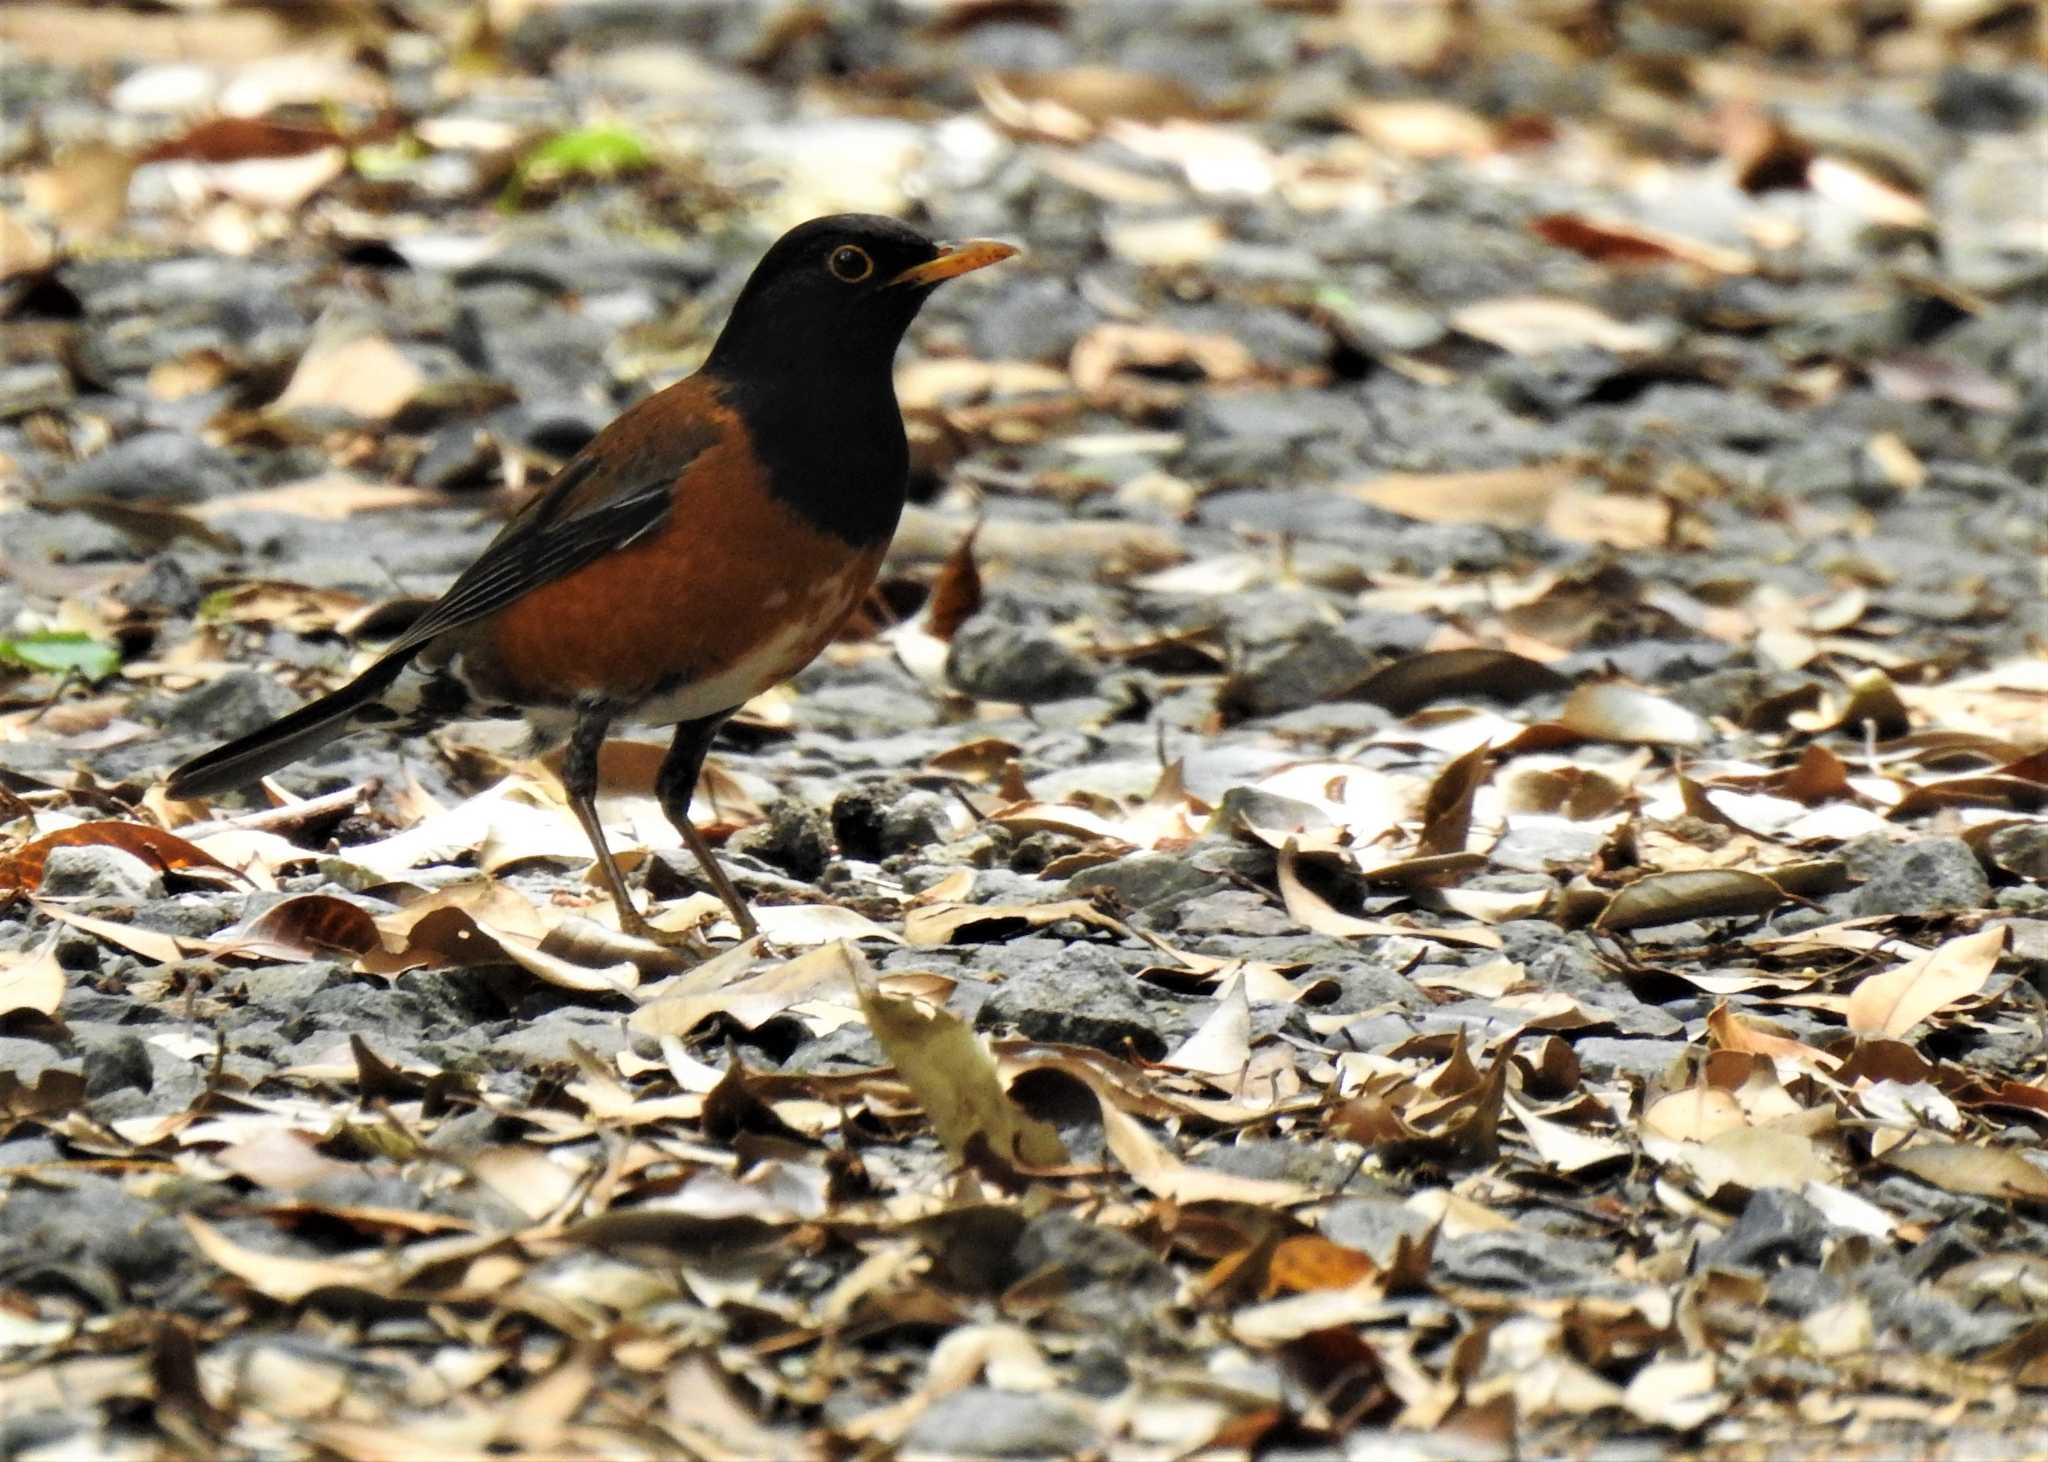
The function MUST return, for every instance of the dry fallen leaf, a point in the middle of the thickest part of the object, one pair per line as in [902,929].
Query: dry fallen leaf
[1893,1001]
[32,980]
[950,1070]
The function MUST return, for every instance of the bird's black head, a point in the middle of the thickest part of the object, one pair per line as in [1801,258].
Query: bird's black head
[836,294]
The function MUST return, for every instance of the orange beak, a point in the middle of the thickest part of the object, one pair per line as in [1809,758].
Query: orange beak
[955,260]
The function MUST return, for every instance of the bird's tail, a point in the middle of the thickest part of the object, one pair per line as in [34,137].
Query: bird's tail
[290,737]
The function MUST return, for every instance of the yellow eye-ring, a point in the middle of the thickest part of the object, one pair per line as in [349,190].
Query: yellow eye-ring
[849,264]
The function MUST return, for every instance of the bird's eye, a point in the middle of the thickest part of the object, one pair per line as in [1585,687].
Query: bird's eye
[849,264]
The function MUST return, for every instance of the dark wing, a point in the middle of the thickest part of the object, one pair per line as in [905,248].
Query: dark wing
[580,516]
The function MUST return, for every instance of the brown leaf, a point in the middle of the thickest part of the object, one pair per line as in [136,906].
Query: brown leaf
[952,1074]
[1447,810]
[1894,1001]
[1731,1032]
[22,869]
[1702,893]
[1610,711]
[306,926]
[365,375]
[1414,681]
[236,139]
[1109,349]
[1986,1172]
[1541,324]
[1310,1262]
[956,593]
[950,923]
[1618,241]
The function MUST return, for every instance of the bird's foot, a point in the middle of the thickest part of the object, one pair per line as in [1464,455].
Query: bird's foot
[635,924]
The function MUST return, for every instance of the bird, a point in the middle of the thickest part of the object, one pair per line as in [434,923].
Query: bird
[704,546]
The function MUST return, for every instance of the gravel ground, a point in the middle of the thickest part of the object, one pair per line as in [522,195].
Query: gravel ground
[1479,781]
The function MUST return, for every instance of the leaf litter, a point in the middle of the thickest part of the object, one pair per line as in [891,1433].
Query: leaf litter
[1430,841]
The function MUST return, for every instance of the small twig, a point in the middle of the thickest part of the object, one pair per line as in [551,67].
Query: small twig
[292,817]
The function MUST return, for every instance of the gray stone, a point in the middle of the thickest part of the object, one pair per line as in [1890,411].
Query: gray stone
[1082,1000]
[980,1421]
[163,587]
[1374,1226]
[996,659]
[1321,664]
[154,466]
[1931,876]
[100,873]
[230,705]
[916,820]
[1777,1227]
[549,1039]
[2021,849]
[114,1063]
[1088,1253]
[1320,1165]
[1604,1057]
[1143,881]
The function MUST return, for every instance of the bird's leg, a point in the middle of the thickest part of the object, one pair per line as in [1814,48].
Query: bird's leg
[579,780]
[675,784]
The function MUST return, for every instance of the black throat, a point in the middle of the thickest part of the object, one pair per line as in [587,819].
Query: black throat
[832,445]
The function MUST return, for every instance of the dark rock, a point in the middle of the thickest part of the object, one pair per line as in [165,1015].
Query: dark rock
[996,659]
[1319,665]
[1931,876]
[163,587]
[1085,1000]
[792,835]
[111,1065]
[1988,101]
[1556,959]
[1089,1253]
[916,820]
[857,817]
[91,1221]
[1776,1227]
[154,466]
[1036,319]
[1801,1292]
[2021,849]
[1143,881]
[234,704]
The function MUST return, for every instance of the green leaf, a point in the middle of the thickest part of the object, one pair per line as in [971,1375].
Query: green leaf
[587,152]
[63,651]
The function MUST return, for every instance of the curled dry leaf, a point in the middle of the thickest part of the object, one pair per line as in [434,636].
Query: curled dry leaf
[1892,1002]
[1610,711]
[952,1074]
[1108,349]
[1415,681]
[1704,893]
[1221,1045]
[1619,241]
